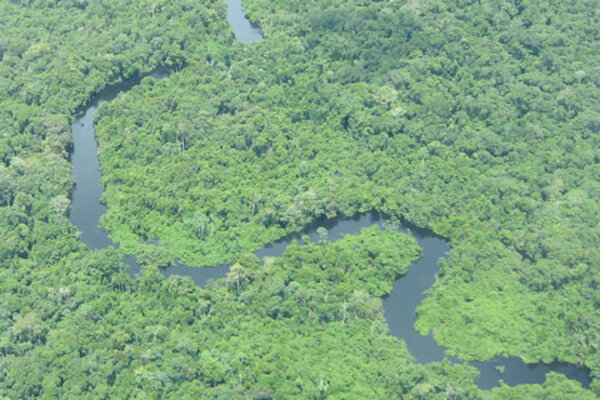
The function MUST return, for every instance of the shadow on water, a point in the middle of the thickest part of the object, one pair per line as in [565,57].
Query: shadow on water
[399,305]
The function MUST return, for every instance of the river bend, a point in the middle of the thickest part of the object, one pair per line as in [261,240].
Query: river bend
[399,306]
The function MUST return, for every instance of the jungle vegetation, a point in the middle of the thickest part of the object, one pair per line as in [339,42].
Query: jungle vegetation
[475,119]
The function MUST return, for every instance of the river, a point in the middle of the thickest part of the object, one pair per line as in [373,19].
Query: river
[399,306]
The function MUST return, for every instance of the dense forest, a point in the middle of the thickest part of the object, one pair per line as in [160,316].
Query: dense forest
[475,119]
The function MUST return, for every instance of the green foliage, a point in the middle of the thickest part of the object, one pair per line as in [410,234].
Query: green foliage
[476,119]
[556,387]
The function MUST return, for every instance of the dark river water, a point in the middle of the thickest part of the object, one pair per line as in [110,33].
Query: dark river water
[399,306]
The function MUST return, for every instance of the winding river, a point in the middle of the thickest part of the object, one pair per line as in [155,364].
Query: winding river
[399,306]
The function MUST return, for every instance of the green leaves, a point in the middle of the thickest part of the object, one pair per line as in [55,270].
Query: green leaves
[474,118]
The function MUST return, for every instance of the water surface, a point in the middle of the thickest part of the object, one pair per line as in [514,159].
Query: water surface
[245,31]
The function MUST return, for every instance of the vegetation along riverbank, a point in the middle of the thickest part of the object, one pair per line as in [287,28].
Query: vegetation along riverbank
[476,120]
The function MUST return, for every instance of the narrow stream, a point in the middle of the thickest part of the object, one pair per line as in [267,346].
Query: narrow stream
[244,30]
[399,306]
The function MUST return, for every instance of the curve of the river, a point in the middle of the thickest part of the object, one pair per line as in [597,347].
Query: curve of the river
[399,307]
